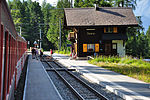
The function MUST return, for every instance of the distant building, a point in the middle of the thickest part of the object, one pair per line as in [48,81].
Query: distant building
[98,30]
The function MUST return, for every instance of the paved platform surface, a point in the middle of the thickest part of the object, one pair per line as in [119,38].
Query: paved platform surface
[38,85]
[124,86]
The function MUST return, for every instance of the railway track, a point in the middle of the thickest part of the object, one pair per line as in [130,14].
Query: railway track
[78,87]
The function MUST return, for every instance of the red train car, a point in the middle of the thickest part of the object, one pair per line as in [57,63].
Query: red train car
[12,53]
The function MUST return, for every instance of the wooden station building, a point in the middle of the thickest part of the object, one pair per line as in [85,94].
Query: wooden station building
[100,30]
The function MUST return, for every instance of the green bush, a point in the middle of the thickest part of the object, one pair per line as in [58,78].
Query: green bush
[125,60]
[109,59]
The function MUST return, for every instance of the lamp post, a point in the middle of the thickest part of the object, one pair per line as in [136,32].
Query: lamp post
[28,44]
[59,34]
[20,31]
[40,40]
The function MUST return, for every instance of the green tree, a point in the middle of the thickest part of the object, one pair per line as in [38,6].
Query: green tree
[53,32]
[78,3]
[148,33]
[125,3]
[148,37]
[137,43]
[47,14]
[36,17]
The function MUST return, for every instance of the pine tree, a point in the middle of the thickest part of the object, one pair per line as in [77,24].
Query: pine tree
[137,43]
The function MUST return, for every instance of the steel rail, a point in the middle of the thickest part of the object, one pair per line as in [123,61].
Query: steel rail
[85,84]
[70,87]
[79,80]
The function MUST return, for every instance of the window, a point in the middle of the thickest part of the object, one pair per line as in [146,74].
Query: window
[90,47]
[114,46]
[110,30]
[115,29]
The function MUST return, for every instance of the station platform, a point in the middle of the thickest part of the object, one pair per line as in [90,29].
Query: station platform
[126,87]
[38,85]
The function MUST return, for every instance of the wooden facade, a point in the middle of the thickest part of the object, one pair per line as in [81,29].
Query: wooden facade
[90,40]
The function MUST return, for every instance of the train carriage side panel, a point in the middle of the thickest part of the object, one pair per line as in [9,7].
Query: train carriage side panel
[12,53]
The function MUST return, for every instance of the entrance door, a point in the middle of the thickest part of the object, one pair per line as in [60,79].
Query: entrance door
[114,49]
[108,48]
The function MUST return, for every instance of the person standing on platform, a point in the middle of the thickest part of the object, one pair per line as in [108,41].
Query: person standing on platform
[36,53]
[33,53]
[41,54]
[51,52]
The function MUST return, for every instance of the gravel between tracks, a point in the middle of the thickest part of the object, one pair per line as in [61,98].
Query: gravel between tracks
[100,89]
[62,88]
[83,91]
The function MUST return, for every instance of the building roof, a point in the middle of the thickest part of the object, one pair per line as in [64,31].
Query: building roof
[104,16]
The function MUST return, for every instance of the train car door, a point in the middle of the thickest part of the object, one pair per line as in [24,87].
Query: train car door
[5,74]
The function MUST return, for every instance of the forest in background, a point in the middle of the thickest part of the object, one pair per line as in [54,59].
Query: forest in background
[32,17]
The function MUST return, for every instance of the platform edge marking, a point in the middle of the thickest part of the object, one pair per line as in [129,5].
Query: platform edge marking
[24,94]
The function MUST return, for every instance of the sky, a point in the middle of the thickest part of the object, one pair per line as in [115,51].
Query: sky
[142,9]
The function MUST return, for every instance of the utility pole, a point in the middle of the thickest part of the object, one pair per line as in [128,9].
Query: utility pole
[41,33]
[59,34]
[71,5]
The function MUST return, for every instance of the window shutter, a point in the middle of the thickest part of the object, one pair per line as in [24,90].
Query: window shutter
[96,47]
[115,29]
[84,47]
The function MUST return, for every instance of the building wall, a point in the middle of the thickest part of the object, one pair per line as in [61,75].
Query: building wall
[97,38]
[83,38]
[120,47]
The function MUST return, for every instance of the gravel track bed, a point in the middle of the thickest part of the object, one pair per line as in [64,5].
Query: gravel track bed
[99,88]
[83,91]
[45,65]
[61,87]
[55,65]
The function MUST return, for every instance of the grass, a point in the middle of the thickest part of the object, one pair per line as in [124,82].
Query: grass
[66,52]
[136,68]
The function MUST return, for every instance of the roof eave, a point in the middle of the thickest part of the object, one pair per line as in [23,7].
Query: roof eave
[131,25]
